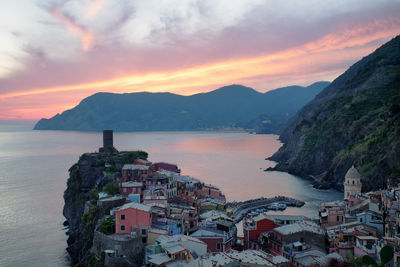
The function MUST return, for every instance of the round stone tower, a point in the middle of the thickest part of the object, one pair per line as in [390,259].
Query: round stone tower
[352,183]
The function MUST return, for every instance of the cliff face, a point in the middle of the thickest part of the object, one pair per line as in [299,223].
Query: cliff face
[87,174]
[83,176]
[355,120]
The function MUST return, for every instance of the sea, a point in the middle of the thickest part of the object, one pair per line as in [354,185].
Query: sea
[34,170]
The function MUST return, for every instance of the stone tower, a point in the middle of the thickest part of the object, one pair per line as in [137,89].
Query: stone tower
[352,183]
[108,142]
[108,139]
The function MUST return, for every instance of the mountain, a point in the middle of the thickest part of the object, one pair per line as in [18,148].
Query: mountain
[355,120]
[226,107]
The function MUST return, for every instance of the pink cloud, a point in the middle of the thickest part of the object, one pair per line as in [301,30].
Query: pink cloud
[88,39]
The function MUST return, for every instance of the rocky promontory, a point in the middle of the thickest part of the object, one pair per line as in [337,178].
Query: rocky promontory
[93,171]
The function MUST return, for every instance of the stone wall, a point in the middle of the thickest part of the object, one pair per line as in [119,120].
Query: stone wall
[128,248]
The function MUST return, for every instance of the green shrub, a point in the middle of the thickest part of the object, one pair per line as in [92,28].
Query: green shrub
[93,195]
[111,188]
[106,226]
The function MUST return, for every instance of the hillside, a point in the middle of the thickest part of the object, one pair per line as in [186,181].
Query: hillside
[355,120]
[229,106]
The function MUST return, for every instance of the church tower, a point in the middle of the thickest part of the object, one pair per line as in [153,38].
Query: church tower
[352,183]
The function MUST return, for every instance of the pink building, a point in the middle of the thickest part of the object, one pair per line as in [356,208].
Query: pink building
[332,213]
[135,173]
[132,216]
[130,188]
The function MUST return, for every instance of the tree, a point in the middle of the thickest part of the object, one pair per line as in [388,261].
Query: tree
[93,195]
[111,188]
[386,254]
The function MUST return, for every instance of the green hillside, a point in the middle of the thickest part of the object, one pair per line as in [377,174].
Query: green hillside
[355,120]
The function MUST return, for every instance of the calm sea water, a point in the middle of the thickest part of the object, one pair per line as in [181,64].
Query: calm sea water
[33,174]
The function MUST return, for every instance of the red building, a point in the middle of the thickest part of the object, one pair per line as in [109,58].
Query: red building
[142,162]
[217,241]
[132,216]
[253,227]
[135,173]
[166,166]
[130,188]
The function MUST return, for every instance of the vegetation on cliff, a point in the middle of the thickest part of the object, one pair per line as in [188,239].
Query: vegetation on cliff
[235,105]
[355,120]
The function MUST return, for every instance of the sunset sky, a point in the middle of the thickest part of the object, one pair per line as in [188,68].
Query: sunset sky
[55,53]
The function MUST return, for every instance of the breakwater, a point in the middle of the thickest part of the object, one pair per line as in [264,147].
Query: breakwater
[239,209]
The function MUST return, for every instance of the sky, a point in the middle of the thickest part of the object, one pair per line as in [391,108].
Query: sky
[55,53]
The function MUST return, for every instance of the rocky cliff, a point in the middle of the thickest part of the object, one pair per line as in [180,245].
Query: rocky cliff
[90,172]
[355,120]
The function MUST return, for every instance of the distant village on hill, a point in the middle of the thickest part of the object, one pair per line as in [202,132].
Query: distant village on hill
[149,214]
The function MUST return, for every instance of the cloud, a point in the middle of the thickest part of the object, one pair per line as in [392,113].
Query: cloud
[87,38]
[94,7]
[184,47]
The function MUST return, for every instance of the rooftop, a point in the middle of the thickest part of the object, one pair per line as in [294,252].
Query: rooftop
[251,256]
[135,167]
[207,233]
[134,205]
[276,218]
[131,184]
[299,227]
[352,173]
[159,259]
[175,248]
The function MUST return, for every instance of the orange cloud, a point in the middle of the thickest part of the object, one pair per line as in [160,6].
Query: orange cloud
[87,38]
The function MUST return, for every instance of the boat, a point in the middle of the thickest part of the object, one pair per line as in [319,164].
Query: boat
[277,206]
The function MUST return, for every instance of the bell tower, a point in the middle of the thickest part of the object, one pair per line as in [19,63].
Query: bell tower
[352,183]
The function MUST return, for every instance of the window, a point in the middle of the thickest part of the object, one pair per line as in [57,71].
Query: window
[218,246]
[122,227]
[122,217]
[361,220]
